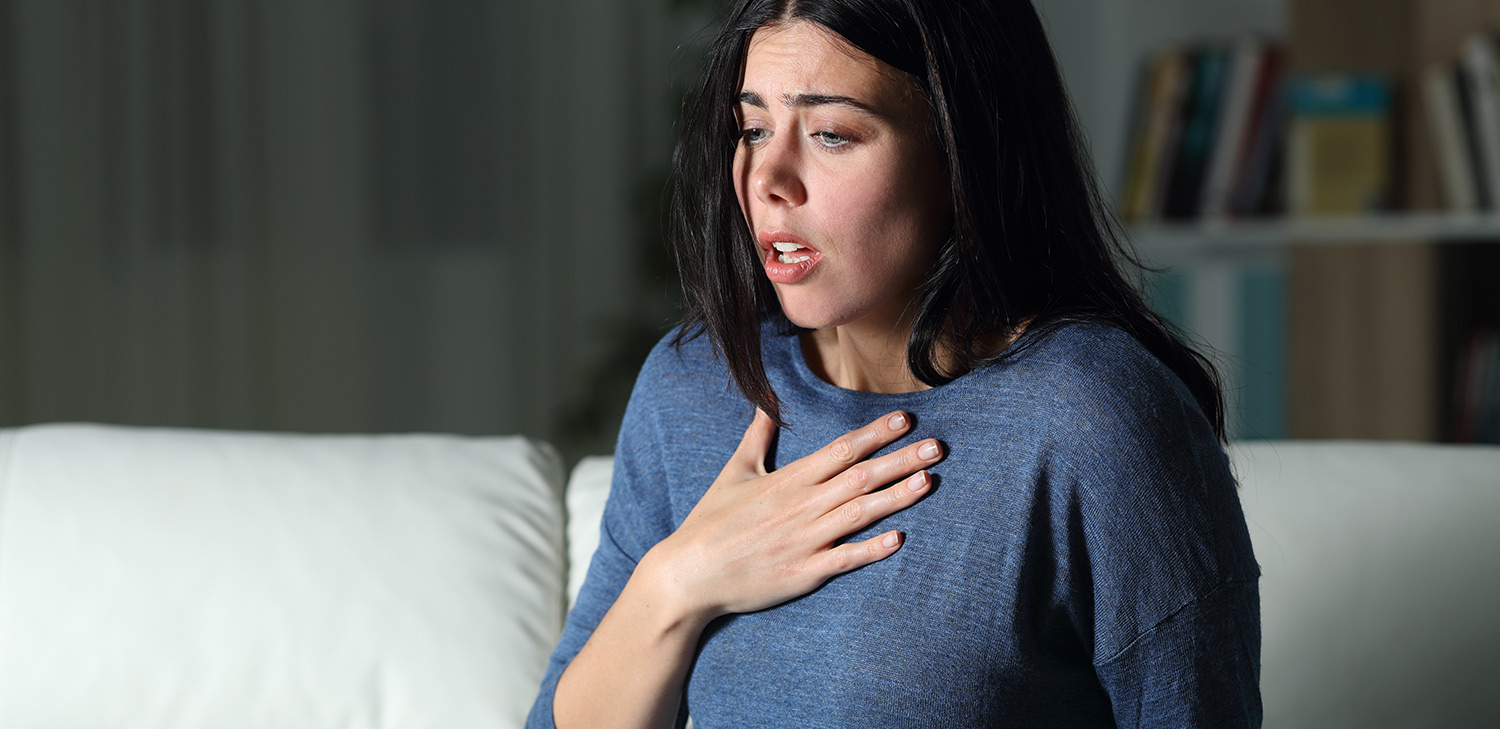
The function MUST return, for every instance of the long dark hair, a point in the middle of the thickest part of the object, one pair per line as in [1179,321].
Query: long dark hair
[1033,244]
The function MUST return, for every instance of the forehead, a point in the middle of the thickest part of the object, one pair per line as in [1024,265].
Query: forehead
[802,57]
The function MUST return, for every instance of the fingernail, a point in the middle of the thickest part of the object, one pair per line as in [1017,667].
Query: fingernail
[929,450]
[897,421]
[917,481]
[890,540]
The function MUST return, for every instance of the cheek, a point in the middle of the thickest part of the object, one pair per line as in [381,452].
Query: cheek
[900,212]
[884,207]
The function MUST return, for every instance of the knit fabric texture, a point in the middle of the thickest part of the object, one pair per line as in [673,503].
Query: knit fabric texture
[1081,560]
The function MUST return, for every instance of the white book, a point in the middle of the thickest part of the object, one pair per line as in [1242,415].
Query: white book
[1446,126]
[1229,143]
[1478,63]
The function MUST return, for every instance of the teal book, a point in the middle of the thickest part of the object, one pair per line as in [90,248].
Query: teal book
[1238,313]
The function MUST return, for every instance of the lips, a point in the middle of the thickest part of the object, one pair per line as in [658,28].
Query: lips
[787,257]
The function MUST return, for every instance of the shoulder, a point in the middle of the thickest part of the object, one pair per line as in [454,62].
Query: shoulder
[1136,472]
[683,386]
[1099,385]
[681,366]
[1125,436]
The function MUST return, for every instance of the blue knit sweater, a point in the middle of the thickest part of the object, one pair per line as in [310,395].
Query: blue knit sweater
[1082,560]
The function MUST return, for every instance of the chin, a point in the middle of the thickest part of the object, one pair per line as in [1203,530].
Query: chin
[811,317]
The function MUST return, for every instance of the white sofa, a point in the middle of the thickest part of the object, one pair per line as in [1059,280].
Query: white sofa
[157,578]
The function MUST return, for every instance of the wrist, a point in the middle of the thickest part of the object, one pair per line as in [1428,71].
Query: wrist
[659,588]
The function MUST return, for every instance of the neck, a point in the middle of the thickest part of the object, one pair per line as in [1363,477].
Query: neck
[874,360]
[856,359]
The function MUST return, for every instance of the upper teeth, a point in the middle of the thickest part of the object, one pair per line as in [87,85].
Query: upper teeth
[788,247]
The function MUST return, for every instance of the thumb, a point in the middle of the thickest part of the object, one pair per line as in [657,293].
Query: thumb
[756,443]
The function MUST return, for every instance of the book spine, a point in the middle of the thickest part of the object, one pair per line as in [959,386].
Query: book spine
[1448,136]
[1467,393]
[1140,111]
[1166,71]
[1253,182]
[1339,154]
[1186,189]
[1488,430]
[1479,66]
[1245,68]
[1468,118]
[1180,111]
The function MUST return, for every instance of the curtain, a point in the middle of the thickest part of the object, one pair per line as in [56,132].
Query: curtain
[329,215]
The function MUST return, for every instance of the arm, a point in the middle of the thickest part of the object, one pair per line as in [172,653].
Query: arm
[1175,594]
[1198,668]
[755,540]
[636,516]
[1165,580]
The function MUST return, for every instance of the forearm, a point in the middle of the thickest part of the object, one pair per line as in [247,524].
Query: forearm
[631,671]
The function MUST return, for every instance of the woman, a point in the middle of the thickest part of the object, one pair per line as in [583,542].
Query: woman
[981,485]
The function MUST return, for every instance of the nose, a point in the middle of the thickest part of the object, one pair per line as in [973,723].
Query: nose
[777,175]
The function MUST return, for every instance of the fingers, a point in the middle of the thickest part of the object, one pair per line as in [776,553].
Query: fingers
[857,513]
[854,446]
[854,555]
[872,474]
[756,443]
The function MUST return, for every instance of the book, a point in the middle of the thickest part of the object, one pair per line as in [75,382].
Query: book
[1199,123]
[1466,392]
[1178,113]
[1254,189]
[1478,70]
[1450,138]
[1140,112]
[1238,310]
[1156,115]
[1246,65]
[1469,124]
[1207,132]
[1487,396]
[1477,393]
[1339,147]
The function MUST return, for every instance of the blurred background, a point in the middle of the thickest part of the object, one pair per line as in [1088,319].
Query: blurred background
[391,216]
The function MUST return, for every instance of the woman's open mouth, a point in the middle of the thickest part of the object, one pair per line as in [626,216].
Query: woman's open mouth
[787,258]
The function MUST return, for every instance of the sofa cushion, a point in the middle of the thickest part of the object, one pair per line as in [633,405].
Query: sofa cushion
[588,489]
[1379,587]
[170,578]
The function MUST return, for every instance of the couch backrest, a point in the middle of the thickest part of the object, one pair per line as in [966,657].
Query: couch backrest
[185,578]
[171,578]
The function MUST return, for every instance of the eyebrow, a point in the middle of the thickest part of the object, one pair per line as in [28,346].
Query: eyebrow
[794,101]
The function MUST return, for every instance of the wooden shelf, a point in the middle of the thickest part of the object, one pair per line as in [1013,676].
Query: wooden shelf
[1248,239]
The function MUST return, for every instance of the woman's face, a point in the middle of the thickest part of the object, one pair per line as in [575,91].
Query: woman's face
[838,176]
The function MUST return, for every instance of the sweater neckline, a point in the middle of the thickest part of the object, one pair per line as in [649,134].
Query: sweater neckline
[790,347]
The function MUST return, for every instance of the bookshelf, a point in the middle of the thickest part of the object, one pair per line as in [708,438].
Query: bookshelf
[1169,243]
[1378,314]
[1371,313]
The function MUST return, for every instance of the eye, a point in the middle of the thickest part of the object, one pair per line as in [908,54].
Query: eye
[753,135]
[831,140]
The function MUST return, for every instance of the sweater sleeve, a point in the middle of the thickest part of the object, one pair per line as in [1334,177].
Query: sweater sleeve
[1198,668]
[637,515]
[1164,583]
